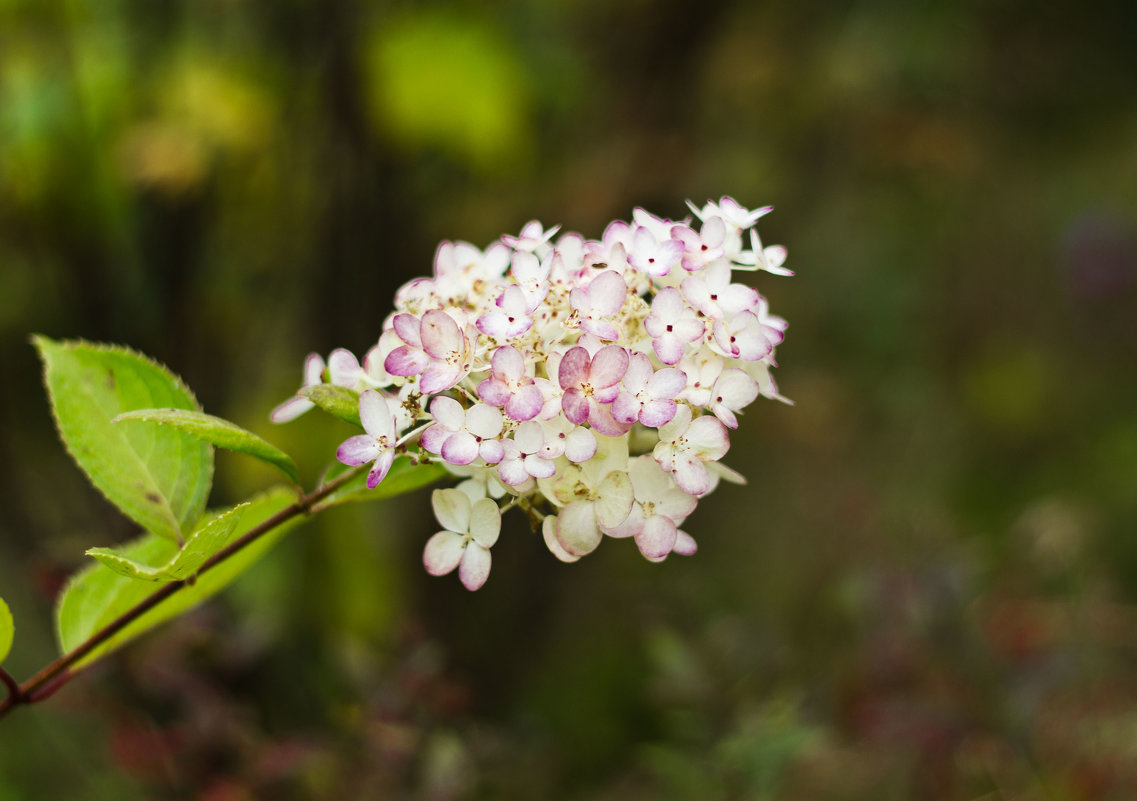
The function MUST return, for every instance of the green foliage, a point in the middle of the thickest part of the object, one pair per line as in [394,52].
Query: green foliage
[98,595]
[340,402]
[218,432]
[158,476]
[472,104]
[207,540]
[404,476]
[7,630]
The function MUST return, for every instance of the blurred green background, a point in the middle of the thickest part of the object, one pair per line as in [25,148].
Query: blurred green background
[928,588]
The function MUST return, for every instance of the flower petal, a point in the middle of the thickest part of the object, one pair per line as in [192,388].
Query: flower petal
[576,530]
[657,538]
[291,409]
[485,522]
[452,510]
[549,533]
[580,445]
[405,361]
[574,368]
[407,326]
[575,405]
[460,448]
[443,552]
[614,499]
[359,449]
[380,469]
[448,413]
[525,404]
[608,366]
[439,377]
[441,336]
[483,421]
[607,293]
[376,415]
[474,568]
[658,412]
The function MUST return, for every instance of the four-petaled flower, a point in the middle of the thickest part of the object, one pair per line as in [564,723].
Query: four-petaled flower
[435,346]
[685,443]
[590,385]
[377,444]
[672,325]
[510,386]
[647,395]
[462,435]
[470,530]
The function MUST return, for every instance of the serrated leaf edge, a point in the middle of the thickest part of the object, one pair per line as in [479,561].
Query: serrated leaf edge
[37,341]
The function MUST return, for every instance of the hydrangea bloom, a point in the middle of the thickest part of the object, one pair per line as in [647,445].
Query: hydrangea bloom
[531,367]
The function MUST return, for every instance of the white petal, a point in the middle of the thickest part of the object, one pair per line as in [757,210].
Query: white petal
[685,544]
[359,449]
[580,445]
[483,421]
[657,538]
[576,528]
[460,448]
[549,532]
[614,499]
[376,416]
[671,431]
[708,436]
[448,413]
[443,552]
[291,409]
[530,437]
[452,510]
[474,568]
[343,368]
[485,522]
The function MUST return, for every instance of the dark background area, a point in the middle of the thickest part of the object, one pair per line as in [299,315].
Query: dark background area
[926,590]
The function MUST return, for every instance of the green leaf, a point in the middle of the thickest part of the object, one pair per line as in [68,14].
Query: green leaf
[98,595]
[7,630]
[158,476]
[335,400]
[207,540]
[404,476]
[219,432]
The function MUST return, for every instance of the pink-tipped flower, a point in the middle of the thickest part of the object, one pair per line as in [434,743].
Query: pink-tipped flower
[533,237]
[470,530]
[460,435]
[511,317]
[654,256]
[684,444]
[672,325]
[590,384]
[648,395]
[702,247]
[523,457]
[598,302]
[711,292]
[435,346]
[734,390]
[510,386]
[660,508]
[744,337]
[297,405]
[378,444]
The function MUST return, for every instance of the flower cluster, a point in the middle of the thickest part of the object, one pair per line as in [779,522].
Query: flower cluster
[592,383]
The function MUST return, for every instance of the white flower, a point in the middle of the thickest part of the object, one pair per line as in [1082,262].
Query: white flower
[377,444]
[660,508]
[684,444]
[470,530]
